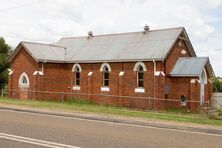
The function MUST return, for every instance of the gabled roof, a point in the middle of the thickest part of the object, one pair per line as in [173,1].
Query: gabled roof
[41,52]
[191,66]
[135,46]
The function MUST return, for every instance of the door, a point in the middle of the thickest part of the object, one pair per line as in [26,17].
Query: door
[201,93]
[203,81]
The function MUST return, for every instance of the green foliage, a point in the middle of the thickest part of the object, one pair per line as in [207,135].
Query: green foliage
[217,85]
[4,52]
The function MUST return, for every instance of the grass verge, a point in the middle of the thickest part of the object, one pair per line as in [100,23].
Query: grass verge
[77,105]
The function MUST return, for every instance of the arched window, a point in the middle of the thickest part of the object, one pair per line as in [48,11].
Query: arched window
[24,80]
[203,77]
[140,68]
[76,69]
[77,76]
[105,76]
[105,69]
[140,76]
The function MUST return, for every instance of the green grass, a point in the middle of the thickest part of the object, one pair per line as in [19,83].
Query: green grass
[81,105]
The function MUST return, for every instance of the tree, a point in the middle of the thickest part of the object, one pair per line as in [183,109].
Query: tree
[4,65]
[217,85]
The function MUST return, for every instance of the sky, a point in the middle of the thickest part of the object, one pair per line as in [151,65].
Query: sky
[48,20]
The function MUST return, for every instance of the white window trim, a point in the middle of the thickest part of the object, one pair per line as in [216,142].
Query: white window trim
[205,76]
[76,87]
[105,65]
[136,70]
[105,88]
[76,65]
[139,64]
[139,90]
[20,80]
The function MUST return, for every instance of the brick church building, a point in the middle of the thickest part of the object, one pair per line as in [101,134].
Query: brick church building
[150,69]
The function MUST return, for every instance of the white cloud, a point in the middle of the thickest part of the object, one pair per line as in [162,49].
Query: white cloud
[49,20]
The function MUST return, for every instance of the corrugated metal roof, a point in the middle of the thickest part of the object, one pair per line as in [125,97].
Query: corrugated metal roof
[135,46]
[44,52]
[189,66]
[155,44]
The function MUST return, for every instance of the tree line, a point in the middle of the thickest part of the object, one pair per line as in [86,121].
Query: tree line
[4,65]
[217,84]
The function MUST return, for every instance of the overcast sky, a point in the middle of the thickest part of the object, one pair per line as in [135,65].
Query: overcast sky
[48,20]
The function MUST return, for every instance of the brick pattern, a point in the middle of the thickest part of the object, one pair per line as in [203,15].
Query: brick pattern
[60,78]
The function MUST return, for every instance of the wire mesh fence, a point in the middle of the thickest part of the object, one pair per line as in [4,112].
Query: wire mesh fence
[138,102]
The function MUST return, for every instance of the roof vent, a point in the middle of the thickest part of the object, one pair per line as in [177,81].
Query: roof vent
[146,28]
[90,35]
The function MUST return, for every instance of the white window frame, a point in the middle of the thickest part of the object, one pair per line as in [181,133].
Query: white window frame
[203,77]
[136,68]
[21,84]
[105,65]
[75,66]
[104,76]
[102,68]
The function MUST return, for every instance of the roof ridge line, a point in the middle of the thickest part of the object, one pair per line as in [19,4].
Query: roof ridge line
[43,44]
[194,57]
[110,34]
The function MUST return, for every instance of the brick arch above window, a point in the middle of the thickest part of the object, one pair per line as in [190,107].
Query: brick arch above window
[138,64]
[76,66]
[104,65]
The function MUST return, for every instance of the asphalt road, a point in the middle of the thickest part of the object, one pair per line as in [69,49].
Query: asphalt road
[19,129]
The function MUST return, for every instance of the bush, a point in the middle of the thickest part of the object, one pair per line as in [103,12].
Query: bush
[217,85]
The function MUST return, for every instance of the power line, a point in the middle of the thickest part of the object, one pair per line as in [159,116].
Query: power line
[20,6]
[219,49]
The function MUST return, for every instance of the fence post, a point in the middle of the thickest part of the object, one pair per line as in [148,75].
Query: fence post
[149,103]
[62,97]
[2,92]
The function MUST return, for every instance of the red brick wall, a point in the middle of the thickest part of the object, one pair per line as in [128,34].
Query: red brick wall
[174,54]
[59,78]
[23,62]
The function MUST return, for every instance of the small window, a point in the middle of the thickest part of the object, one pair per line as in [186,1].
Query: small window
[24,80]
[77,76]
[140,76]
[106,76]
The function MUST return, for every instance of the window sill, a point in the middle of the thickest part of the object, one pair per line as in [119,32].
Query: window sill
[139,90]
[23,85]
[105,88]
[76,87]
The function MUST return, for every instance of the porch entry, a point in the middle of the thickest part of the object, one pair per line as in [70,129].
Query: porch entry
[203,81]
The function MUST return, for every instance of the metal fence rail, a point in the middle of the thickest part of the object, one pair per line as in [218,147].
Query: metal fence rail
[147,102]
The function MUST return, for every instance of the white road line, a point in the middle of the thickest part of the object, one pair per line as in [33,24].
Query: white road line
[143,126]
[35,141]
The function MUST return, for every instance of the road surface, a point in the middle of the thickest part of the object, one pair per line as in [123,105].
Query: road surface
[19,129]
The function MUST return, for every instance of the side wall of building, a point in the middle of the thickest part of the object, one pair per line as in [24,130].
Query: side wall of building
[58,78]
[23,62]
